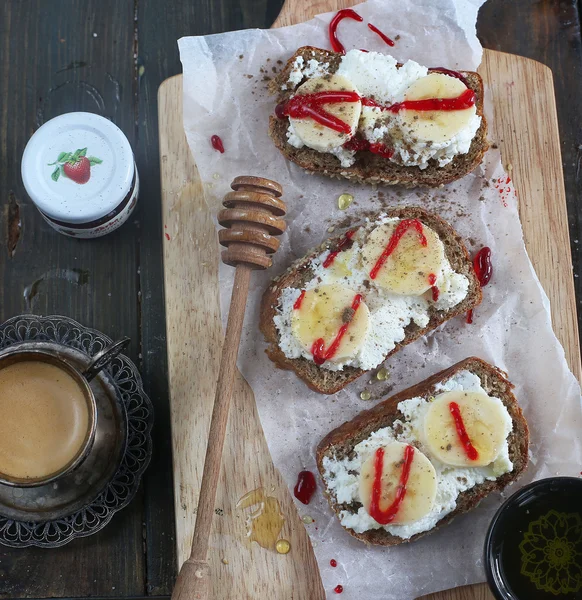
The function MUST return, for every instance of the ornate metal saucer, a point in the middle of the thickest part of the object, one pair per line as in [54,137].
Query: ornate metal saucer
[85,501]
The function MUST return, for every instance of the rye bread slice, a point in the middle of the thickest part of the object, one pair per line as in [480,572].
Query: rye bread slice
[370,167]
[299,273]
[341,442]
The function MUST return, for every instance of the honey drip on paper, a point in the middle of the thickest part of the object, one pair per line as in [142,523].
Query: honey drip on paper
[265,522]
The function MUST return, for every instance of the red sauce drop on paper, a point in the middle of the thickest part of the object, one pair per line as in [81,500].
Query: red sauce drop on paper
[217,144]
[374,104]
[389,514]
[167,236]
[346,13]
[333,562]
[484,271]
[482,265]
[470,450]
[395,238]
[338,589]
[320,354]
[341,245]
[305,486]
[384,37]
[299,300]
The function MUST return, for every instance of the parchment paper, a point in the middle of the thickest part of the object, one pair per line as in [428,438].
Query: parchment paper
[225,94]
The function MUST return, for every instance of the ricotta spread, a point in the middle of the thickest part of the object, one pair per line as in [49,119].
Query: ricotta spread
[341,476]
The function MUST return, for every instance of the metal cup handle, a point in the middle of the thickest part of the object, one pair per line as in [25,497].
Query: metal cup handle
[103,358]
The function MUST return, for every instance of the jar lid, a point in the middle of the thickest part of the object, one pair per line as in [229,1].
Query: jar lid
[78,167]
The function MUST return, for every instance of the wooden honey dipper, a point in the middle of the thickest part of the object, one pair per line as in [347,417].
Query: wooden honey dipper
[252,215]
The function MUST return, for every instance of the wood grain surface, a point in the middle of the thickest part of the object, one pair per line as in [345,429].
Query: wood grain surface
[109,58]
[45,71]
[549,31]
[189,269]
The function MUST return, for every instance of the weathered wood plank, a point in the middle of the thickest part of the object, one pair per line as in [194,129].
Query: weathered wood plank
[57,57]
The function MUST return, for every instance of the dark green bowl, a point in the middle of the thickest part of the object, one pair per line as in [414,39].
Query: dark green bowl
[533,548]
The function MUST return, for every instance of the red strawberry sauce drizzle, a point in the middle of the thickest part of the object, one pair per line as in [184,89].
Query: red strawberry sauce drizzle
[464,438]
[383,36]
[435,290]
[345,13]
[305,487]
[484,271]
[358,144]
[465,100]
[389,514]
[320,354]
[348,13]
[338,589]
[217,144]
[333,562]
[395,238]
[341,245]
[312,106]
[299,300]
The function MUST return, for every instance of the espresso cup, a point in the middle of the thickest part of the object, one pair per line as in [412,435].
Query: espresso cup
[48,413]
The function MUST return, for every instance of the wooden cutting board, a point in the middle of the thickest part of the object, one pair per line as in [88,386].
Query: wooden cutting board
[526,130]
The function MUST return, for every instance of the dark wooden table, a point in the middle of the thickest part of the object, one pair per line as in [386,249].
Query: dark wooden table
[109,57]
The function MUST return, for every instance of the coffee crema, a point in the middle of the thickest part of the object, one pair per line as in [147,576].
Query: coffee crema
[44,420]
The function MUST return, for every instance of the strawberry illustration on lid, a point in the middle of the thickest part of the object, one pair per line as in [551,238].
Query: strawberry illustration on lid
[74,165]
[79,170]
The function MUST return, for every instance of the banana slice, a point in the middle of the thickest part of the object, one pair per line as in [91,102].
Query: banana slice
[484,422]
[342,266]
[320,137]
[322,313]
[420,488]
[435,125]
[406,271]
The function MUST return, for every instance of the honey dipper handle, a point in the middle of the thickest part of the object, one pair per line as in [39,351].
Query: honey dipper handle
[193,581]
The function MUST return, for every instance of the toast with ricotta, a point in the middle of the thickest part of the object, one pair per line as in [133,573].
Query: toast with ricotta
[380,144]
[444,480]
[415,290]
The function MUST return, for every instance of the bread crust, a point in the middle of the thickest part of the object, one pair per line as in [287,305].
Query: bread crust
[342,440]
[369,167]
[325,381]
